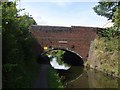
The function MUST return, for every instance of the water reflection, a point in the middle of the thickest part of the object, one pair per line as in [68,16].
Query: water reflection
[54,63]
[92,79]
[71,75]
[79,76]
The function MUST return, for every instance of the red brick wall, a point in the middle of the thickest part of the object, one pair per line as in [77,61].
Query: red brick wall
[76,36]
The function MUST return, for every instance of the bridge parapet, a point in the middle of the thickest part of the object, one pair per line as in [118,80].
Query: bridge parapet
[75,38]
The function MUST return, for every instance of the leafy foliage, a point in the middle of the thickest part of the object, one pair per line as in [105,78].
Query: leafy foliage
[106,9]
[54,80]
[107,45]
[105,53]
[117,16]
[59,55]
[17,43]
[110,10]
[109,32]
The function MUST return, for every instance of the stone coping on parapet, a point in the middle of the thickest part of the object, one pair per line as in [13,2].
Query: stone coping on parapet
[84,27]
[51,28]
[61,28]
[65,26]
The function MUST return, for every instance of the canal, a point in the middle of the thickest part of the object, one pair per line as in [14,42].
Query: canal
[76,76]
[79,77]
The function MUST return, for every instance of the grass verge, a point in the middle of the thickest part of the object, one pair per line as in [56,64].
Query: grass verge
[104,55]
[54,79]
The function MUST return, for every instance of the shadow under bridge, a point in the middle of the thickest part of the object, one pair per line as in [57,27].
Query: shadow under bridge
[70,57]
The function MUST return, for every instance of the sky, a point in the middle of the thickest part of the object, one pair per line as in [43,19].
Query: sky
[63,13]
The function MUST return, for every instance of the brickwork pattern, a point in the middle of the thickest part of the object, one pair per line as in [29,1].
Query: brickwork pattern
[75,38]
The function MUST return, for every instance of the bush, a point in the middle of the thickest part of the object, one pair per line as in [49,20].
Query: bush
[54,79]
[109,32]
[18,68]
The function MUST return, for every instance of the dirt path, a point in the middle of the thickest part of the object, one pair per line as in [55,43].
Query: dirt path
[41,81]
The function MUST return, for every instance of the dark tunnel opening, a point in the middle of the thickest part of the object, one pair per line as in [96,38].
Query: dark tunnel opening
[70,58]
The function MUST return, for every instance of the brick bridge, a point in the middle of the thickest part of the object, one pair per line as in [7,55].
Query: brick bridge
[74,38]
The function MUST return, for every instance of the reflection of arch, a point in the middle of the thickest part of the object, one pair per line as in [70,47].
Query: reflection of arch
[70,61]
[71,74]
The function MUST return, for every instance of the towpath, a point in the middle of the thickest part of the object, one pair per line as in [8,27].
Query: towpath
[41,80]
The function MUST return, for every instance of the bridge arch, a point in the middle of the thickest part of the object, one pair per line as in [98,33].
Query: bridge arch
[72,55]
[77,38]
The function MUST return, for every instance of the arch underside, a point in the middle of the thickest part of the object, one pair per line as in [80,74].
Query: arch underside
[63,49]
[69,56]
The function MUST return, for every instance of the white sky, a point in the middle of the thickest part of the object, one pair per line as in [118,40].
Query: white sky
[55,64]
[63,12]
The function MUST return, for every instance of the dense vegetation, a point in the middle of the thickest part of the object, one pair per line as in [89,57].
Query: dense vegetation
[19,67]
[110,10]
[53,78]
[104,51]
[104,55]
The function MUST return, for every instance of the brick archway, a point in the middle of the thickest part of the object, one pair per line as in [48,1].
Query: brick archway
[75,38]
[63,49]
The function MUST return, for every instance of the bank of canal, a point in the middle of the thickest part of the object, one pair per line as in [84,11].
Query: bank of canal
[72,76]
[75,77]
[88,78]
[82,77]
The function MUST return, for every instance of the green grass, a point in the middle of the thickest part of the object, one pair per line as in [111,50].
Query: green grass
[54,79]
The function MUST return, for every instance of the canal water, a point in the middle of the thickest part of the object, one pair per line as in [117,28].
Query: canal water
[81,77]
[76,75]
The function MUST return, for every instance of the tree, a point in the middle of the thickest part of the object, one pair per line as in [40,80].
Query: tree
[16,42]
[110,10]
[117,17]
[15,29]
